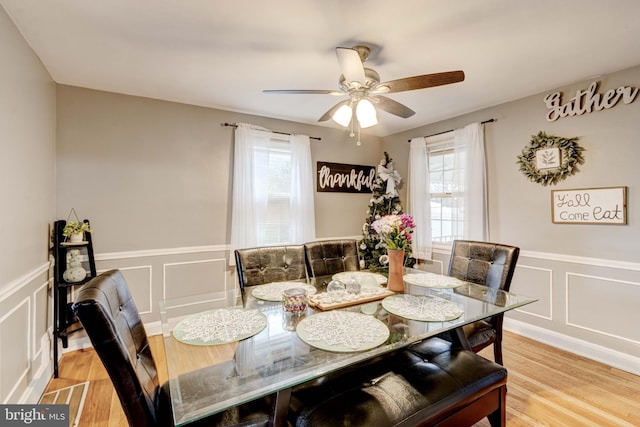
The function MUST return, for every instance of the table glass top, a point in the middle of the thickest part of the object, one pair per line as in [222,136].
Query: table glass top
[276,358]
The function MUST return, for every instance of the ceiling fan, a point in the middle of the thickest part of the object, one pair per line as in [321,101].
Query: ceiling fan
[365,90]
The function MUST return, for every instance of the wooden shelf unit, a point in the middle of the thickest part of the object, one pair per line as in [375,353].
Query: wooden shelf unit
[64,321]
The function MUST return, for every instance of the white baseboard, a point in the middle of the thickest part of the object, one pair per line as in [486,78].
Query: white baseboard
[577,346]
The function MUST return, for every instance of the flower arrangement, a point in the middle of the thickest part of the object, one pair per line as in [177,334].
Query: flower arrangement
[74,227]
[395,230]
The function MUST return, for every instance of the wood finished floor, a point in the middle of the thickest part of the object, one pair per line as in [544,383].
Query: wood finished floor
[547,387]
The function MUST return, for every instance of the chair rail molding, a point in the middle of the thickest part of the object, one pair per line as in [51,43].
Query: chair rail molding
[20,282]
[161,252]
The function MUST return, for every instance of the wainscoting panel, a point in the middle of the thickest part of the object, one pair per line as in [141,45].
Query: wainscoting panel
[16,329]
[25,326]
[40,320]
[590,306]
[140,285]
[194,277]
[534,282]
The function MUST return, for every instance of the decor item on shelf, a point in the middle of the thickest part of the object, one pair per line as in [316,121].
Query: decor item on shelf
[549,159]
[395,234]
[74,230]
[384,201]
[74,272]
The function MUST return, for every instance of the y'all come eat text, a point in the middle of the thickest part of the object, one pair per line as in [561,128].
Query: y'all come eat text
[598,205]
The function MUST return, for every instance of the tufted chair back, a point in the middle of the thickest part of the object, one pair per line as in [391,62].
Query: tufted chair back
[108,314]
[491,265]
[332,256]
[488,264]
[257,266]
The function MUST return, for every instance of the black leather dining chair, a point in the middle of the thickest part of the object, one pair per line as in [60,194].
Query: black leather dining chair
[106,309]
[328,257]
[491,265]
[257,266]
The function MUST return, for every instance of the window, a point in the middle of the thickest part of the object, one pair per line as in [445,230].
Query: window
[272,200]
[447,188]
[273,181]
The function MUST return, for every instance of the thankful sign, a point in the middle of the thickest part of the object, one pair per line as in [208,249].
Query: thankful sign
[343,178]
[590,206]
[587,100]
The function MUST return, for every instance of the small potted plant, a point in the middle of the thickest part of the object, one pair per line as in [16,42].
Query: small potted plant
[74,231]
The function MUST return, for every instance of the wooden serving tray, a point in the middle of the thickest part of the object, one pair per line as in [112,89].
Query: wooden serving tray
[331,306]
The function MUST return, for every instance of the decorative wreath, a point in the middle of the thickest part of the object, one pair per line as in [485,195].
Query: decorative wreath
[570,158]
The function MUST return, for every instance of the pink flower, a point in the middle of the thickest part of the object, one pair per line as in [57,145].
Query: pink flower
[395,230]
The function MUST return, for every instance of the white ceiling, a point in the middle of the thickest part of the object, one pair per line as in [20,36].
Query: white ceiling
[223,53]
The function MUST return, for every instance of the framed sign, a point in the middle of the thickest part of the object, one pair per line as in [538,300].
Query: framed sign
[343,178]
[607,205]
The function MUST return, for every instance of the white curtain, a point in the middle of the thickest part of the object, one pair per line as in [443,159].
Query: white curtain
[470,140]
[244,206]
[303,218]
[250,188]
[419,205]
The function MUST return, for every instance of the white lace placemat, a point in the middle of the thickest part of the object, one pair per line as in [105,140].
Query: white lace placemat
[273,291]
[342,331]
[430,280]
[345,276]
[424,308]
[220,326]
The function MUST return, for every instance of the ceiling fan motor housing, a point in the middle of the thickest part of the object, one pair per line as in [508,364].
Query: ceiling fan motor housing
[372,79]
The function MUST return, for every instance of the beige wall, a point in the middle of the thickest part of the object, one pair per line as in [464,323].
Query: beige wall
[520,210]
[586,277]
[27,191]
[154,178]
[153,174]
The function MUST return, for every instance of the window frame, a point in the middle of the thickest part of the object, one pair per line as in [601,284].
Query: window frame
[278,146]
[441,145]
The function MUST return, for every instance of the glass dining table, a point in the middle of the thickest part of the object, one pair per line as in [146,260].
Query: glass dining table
[243,345]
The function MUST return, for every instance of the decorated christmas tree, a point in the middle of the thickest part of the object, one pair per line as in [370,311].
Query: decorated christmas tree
[384,201]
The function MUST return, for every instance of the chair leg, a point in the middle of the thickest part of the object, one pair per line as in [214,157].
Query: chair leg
[497,344]
[498,418]
[497,351]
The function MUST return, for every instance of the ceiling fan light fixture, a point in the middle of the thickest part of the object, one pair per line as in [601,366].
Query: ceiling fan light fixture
[366,114]
[342,116]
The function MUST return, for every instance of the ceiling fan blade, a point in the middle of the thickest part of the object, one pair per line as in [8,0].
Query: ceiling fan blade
[393,107]
[326,116]
[350,64]
[303,92]
[420,82]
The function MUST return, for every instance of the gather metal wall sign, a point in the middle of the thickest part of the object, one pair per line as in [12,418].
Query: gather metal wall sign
[344,178]
[587,101]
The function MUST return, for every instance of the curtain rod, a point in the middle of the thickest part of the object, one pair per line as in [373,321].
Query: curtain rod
[451,130]
[234,125]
